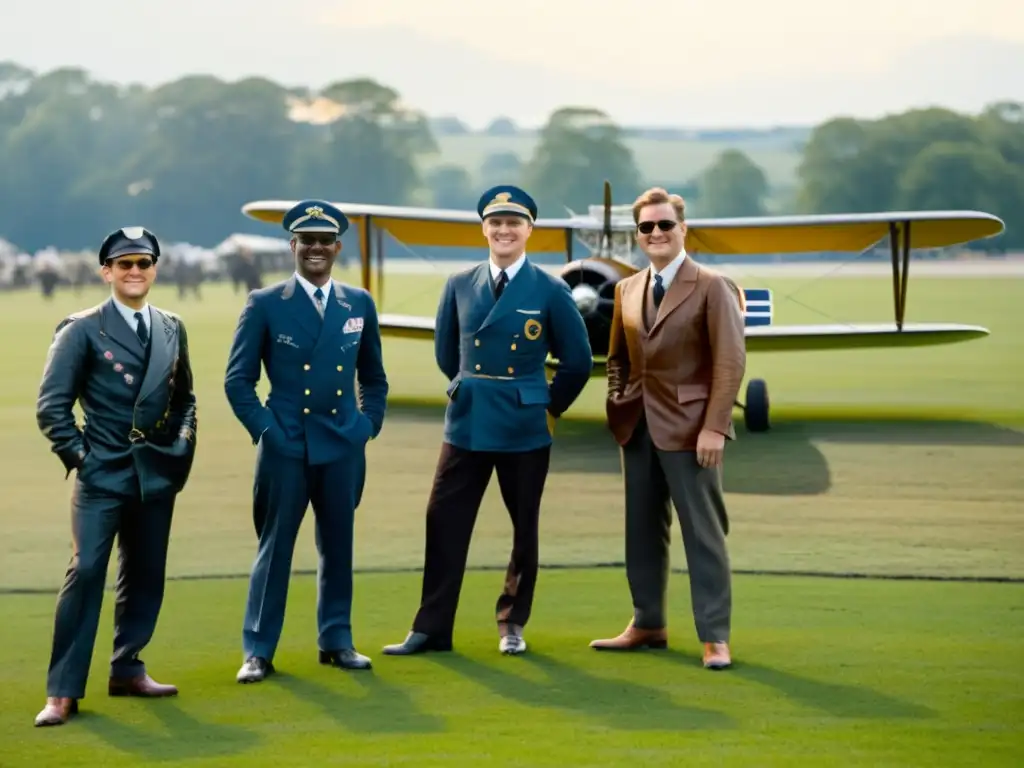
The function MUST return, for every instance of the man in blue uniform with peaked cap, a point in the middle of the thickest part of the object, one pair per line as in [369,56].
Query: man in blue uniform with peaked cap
[495,325]
[316,337]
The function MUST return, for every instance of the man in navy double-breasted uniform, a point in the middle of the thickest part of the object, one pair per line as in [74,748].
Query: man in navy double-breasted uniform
[496,324]
[316,337]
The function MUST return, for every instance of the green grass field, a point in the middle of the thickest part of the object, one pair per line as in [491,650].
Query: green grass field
[898,463]
[664,161]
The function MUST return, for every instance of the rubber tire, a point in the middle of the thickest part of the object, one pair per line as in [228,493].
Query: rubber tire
[756,408]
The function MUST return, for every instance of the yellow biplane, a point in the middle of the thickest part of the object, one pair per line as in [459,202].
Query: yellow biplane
[593,277]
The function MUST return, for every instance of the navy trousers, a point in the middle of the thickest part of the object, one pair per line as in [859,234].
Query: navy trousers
[283,490]
[143,532]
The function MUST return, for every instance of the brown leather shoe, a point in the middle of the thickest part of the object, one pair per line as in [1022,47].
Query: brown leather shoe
[633,639]
[716,656]
[142,685]
[58,710]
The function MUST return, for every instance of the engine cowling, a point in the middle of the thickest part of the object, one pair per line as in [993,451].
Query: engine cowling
[592,282]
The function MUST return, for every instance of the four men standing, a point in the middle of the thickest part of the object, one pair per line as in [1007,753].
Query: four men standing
[675,364]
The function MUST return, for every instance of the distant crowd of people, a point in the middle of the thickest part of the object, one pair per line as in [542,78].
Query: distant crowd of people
[187,267]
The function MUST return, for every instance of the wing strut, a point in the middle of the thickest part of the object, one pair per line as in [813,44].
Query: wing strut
[380,267]
[606,232]
[900,268]
[367,246]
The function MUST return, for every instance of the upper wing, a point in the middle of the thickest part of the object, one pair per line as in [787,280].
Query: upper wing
[425,226]
[837,232]
[767,234]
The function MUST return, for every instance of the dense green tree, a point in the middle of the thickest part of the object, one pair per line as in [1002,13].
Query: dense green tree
[733,185]
[80,157]
[579,148]
[929,159]
[500,168]
[452,187]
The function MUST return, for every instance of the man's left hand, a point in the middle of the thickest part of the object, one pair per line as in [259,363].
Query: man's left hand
[710,448]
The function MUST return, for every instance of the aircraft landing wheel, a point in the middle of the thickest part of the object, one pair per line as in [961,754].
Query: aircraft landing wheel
[755,411]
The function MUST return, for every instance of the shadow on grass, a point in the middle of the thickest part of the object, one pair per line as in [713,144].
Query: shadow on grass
[783,462]
[839,700]
[947,432]
[385,708]
[184,736]
[790,465]
[621,704]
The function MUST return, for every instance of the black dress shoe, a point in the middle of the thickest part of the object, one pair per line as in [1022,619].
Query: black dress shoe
[254,670]
[418,642]
[347,658]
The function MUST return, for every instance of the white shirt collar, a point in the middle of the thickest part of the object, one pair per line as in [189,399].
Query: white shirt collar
[510,270]
[129,314]
[670,269]
[310,289]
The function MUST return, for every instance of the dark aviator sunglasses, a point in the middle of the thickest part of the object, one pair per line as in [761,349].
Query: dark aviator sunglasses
[646,227]
[125,265]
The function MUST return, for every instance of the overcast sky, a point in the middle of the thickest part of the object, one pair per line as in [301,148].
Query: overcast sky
[683,62]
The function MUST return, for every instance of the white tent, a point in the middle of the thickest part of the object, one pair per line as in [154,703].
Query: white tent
[255,244]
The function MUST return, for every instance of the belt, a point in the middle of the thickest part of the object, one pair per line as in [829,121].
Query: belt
[468,375]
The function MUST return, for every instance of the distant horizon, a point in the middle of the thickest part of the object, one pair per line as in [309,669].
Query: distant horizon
[479,127]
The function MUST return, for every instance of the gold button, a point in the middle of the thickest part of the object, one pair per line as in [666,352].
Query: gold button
[305,367]
[513,345]
[478,366]
[510,369]
[307,391]
[477,342]
[334,410]
[339,393]
[305,410]
[339,368]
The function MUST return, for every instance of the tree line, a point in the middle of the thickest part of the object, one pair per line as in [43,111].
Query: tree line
[78,154]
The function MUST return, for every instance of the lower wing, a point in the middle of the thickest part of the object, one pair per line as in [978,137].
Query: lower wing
[770,338]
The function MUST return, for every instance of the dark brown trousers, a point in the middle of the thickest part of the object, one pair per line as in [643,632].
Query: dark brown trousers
[460,481]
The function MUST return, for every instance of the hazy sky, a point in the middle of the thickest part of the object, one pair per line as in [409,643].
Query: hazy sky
[678,61]
[780,37]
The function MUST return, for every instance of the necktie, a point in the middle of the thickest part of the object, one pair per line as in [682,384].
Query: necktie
[502,282]
[318,294]
[659,291]
[140,329]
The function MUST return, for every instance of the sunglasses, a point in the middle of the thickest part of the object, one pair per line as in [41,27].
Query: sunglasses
[665,225]
[324,239]
[125,265]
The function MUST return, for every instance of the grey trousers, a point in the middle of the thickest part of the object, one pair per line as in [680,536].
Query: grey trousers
[143,532]
[653,480]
